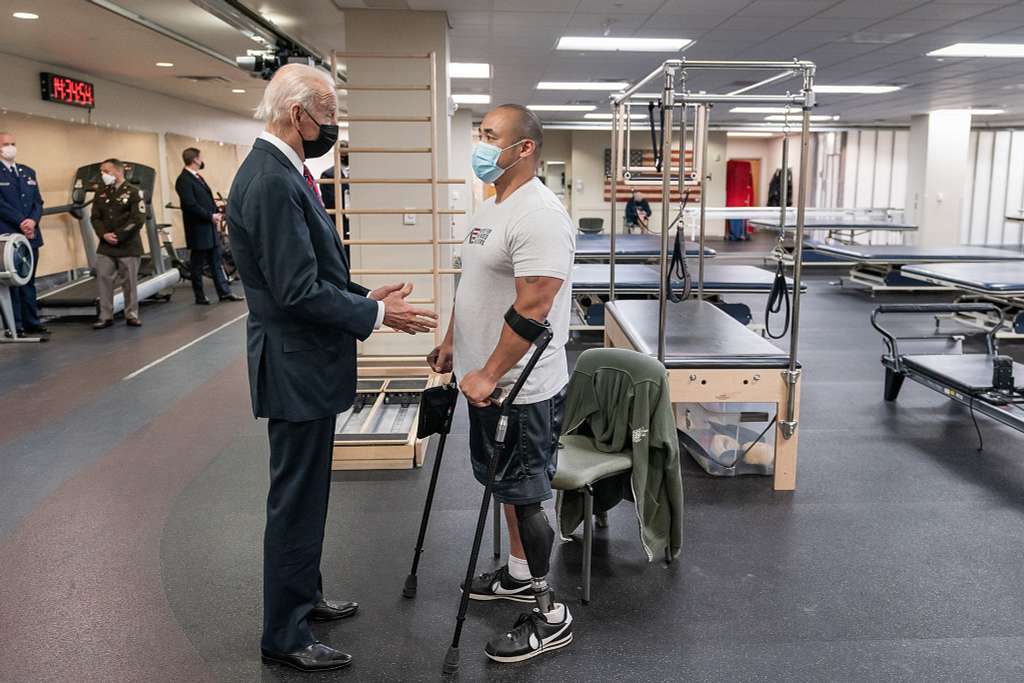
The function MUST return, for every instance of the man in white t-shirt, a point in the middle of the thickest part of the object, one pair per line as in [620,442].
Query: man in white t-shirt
[516,263]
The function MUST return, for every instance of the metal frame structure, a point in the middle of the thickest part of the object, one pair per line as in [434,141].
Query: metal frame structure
[673,76]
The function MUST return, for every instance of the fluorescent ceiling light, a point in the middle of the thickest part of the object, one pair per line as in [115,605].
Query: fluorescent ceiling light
[749,134]
[856,89]
[562,107]
[471,99]
[25,15]
[980,50]
[469,70]
[622,44]
[762,110]
[799,117]
[608,117]
[238,91]
[977,112]
[583,85]
[165,65]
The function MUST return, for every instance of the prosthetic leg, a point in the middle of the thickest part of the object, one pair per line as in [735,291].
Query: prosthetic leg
[541,336]
[538,538]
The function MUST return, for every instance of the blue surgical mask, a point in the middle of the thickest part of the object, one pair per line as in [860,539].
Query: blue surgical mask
[485,161]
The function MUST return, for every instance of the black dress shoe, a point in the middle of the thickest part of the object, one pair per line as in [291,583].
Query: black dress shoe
[232,297]
[102,324]
[329,610]
[202,302]
[133,322]
[316,657]
[36,329]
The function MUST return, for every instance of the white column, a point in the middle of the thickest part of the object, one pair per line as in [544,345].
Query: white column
[936,174]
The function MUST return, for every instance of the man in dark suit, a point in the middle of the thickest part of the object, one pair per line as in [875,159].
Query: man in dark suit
[329,194]
[21,207]
[305,316]
[201,215]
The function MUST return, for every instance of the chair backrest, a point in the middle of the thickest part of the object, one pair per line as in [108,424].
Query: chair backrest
[639,366]
[591,226]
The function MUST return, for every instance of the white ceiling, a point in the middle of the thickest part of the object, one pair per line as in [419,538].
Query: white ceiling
[851,41]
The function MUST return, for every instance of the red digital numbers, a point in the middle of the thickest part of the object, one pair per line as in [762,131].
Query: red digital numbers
[66,90]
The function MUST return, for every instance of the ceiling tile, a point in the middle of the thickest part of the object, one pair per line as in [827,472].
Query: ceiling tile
[619,6]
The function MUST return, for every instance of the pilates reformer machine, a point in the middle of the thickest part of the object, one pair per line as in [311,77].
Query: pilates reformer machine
[987,383]
[710,356]
[629,248]
[997,283]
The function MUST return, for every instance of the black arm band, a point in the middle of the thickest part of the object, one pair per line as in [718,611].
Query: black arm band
[527,328]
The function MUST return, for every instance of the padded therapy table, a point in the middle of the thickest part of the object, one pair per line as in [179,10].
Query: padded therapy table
[998,282]
[710,357]
[879,267]
[939,363]
[597,248]
[840,229]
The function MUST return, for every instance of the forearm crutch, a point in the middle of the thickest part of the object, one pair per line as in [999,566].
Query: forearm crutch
[437,406]
[540,341]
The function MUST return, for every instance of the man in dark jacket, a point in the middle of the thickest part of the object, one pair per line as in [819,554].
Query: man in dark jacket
[118,216]
[21,207]
[305,316]
[201,216]
[638,212]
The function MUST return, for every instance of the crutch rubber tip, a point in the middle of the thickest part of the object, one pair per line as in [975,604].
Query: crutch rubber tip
[410,587]
[451,661]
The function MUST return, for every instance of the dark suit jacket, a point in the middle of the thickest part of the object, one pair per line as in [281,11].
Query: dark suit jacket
[20,199]
[304,314]
[197,209]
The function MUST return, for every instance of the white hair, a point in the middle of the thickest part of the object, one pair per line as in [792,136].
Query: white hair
[293,84]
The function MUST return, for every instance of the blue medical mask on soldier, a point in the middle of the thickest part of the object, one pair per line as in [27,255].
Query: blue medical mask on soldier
[485,160]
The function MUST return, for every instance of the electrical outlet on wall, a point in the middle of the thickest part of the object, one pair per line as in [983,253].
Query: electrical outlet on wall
[408,219]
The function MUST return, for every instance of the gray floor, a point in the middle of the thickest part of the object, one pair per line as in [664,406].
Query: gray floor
[131,550]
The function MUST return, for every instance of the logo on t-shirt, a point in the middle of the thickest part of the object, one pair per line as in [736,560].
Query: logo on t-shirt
[478,235]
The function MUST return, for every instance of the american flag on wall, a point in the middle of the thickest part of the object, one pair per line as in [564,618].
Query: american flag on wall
[651,193]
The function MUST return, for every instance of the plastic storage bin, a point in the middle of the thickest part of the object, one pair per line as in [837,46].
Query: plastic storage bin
[728,439]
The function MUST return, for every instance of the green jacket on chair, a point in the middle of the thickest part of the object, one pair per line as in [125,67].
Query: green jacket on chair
[621,398]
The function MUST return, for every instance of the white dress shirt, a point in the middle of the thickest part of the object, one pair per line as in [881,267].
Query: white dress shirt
[290,154]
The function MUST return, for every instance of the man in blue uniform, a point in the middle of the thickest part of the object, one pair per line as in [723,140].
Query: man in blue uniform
[21,206]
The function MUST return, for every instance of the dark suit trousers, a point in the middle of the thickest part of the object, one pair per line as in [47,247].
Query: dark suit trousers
[300,484]
[23,299]
[197,260]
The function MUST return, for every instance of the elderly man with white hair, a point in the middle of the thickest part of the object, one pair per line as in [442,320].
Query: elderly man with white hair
[305,316]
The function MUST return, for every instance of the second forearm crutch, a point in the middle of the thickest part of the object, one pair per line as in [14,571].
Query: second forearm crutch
[540,341]
[437,406]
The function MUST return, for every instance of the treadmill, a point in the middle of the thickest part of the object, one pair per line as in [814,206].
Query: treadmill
[80,297]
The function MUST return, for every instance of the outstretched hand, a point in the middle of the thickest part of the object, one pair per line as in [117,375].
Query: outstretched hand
[398,314]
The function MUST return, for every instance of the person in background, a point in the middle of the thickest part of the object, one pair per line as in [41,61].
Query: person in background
[21,206]
[118,215]
[638,213]
[202,217]
[328,191]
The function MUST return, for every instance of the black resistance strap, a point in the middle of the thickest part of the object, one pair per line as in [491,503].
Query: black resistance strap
[678,269]
[655,143]
[778,299]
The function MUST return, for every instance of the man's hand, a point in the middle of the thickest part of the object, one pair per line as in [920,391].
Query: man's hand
[28,228]
[217,218]
[110,238]
[478,388]
[440,359]
[405,318]
[382,293]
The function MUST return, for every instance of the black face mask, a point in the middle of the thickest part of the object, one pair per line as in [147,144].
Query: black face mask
[202,165]
[323,143]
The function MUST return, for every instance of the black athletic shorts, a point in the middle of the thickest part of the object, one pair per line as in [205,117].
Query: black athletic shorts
[531,456]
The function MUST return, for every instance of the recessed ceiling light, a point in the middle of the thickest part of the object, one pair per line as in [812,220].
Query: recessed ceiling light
[799,117]
[25,15]
[238,91]
[582,85]
[856,89]
[165,65]
[608,117]
[469,98]
[976,112]
[980,50]
[761,110]
[622,44]
[469,70]
[562,107]
[748,134]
